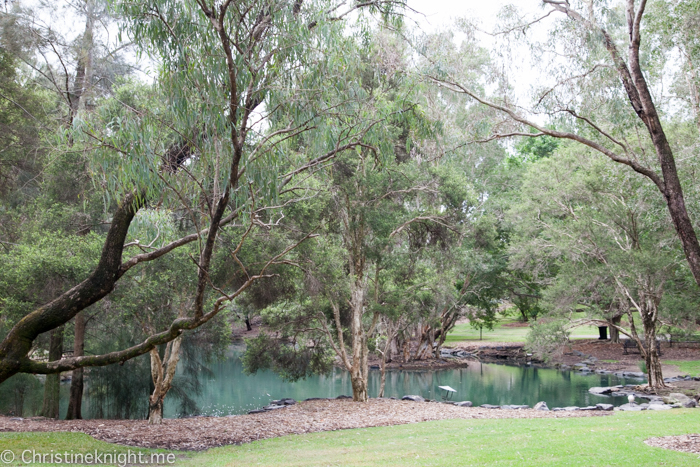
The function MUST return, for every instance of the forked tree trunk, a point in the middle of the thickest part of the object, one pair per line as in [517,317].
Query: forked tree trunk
[52,386]
[76,386]
[162,372]
[649,308]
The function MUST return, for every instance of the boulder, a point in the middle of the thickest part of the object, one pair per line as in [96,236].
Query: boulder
[464,404]
[413,398]
[631,407]
[256,411]
[573,408]
[590,407]
[600,390]
[679,398]
[285,401]
[605,407]
[274,407]
[542,405]
[633,374]
[489,406]
[659,407]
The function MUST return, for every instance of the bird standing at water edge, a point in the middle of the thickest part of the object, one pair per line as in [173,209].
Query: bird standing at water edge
[630,399]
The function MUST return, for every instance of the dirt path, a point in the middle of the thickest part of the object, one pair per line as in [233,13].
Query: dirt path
[200,433]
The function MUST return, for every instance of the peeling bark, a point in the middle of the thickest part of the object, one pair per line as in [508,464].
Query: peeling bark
[162,372]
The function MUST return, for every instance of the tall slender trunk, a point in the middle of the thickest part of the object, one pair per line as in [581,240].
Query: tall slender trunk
[52,385]
[359,368]
[76,386]
[382,383]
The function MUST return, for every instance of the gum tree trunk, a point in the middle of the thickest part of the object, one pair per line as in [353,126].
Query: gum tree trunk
[162,372]
[360,367]
[53,382]
[76,386]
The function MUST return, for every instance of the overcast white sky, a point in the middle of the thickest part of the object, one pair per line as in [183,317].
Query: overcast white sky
[442,12]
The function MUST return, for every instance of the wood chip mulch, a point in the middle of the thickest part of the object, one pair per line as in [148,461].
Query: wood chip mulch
[200,433]
[684,443]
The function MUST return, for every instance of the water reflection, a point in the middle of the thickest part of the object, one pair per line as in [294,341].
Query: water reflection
[230,391]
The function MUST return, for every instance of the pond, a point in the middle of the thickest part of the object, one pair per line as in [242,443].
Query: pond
[230,391]
[227,390]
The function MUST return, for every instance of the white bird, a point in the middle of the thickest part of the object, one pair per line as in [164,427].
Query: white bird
[630,398]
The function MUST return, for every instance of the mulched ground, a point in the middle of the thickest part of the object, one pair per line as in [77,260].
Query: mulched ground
[200,433]
[684,443]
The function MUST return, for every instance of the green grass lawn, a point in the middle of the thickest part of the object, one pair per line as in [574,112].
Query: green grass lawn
[464,332]
[691,368]
[73,444]
[617,440]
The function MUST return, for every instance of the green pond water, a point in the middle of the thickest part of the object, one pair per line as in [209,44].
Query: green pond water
[230,391]
[227,390]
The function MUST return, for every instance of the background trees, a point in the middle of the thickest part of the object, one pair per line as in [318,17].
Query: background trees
[610,242]
[361,198]
[210,162]
[585,98]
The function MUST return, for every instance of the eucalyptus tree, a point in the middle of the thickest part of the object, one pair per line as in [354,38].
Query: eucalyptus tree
[237,82]
[611,241]
[674,26]
[599,94]
[382,255]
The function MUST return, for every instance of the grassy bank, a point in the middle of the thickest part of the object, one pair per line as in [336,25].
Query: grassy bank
[691,367]
[74,444]
[595,441]
[504,331]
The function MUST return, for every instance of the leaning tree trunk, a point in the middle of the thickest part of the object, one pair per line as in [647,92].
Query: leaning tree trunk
[76,386]
[52,386]
[162,372]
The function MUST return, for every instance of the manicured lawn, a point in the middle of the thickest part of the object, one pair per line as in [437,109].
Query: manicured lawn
[610,441]
[464,332]
[691,368]
[617,440]
[73,444]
